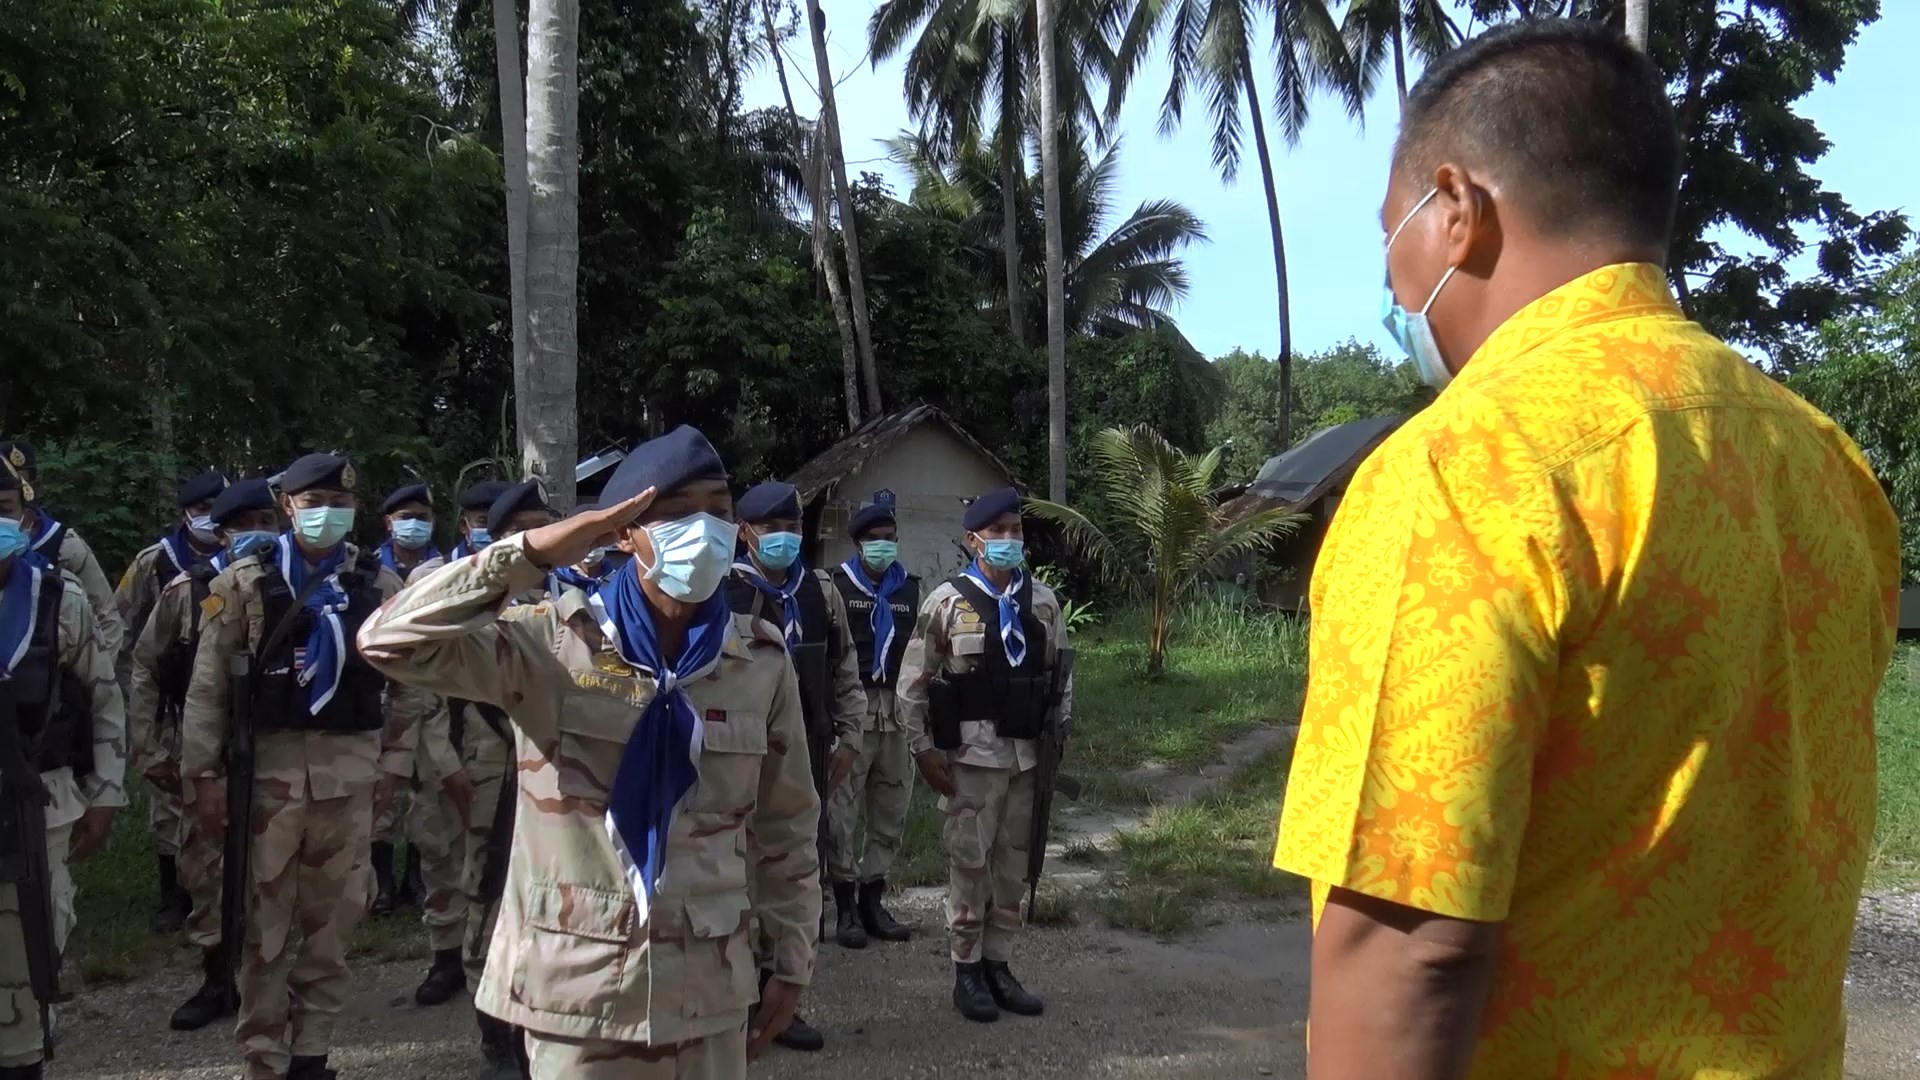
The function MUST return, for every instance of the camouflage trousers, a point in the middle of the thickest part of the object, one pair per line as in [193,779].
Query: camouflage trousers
[306,898]
[201,857]
[985,834]
[166,819]
[867,813]
[479,913]
[716,1057]
[20,1036]
[386,826]
[434,828]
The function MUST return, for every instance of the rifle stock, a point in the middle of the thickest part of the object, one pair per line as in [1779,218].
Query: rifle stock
[23,820]
[236,864]
[1047,777]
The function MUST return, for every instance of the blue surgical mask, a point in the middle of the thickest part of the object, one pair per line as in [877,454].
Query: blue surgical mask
[13,539]
[202,529]
[412,533]
[478,538]
[691,555]
[1005,554]
[879,554]
[323,526]
[1410,330]
[778,550]
[242,544]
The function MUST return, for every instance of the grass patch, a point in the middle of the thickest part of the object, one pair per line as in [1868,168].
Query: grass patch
[1895,858]
[1160,910]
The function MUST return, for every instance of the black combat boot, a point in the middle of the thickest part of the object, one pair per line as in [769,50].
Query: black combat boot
[383,899]
[502,1047]
[799,1035]
[874,917]
[445,978]
[213,1000]
[846,921]
[970,994]
[175,904]
[413,886]
[311,1068]
[1008,993]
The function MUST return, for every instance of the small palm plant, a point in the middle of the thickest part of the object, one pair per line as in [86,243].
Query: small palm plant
[1167,533]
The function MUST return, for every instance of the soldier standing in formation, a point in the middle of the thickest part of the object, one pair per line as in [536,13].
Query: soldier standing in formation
[771,582]
[65,757]
[868,813]
[156,738]
[324,759]
[62,546]
[409,545]
[625,944]
[245,520]
[974,686]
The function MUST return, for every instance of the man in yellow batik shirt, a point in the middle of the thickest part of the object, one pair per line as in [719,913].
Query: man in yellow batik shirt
[1585,782]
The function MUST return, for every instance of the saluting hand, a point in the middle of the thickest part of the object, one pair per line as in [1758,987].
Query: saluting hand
[568,540]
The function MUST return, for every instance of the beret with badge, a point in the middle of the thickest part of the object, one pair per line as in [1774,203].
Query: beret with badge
[17,467]
[870,517]
[318,472]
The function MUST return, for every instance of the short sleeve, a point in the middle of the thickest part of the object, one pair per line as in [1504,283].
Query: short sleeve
[1432,663]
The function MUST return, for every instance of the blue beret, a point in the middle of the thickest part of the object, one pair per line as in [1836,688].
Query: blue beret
[203,488]
[665,464]
[990,508]
[19,454]
[869,517]
[241,497]
[401,496]
[764,502]
[481,495]
[525,495]
[328,471]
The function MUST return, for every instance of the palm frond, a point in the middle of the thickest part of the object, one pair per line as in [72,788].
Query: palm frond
[1081,535]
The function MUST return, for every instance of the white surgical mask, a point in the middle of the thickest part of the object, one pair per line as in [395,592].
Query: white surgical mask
[692,555]
[1410,330]
[201,526]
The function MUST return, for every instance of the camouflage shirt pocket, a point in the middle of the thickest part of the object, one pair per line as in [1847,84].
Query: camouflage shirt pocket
[720,973]
[574,957]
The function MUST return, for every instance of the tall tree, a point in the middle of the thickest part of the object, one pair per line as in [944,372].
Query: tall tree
[1382,30]
[1056,262]
[1636,22]
[546,402]
[513,156]
[843,196]
[1210,46]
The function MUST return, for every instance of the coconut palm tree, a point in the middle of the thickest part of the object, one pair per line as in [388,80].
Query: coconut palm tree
[1049,135]
[1210,45]
[545,385]
[1167,533]
[1118,279]
[1377,30]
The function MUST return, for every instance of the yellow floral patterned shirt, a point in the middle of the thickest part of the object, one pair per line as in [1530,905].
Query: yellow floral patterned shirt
[1595,644]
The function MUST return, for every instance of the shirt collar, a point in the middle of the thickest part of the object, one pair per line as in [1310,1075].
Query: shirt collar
[1619,291]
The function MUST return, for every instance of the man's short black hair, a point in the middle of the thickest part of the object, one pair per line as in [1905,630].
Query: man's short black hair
[1571,115]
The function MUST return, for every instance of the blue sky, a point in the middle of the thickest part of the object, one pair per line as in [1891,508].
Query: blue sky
[1330,184]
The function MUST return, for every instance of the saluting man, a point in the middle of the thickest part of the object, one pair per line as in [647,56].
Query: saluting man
[62,546]
[246,521]
[155,740]
[868,813]
[61,679]
[657,734]
[974,686]
[328,749]
[770,582]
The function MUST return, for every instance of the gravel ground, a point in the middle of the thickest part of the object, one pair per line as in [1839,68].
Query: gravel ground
[1222,1003]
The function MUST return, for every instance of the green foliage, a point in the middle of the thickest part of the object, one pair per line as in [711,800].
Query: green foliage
[1347,382]
[96,485]
[1864,371]
[1077,615]
[1895,855]
[1164,533]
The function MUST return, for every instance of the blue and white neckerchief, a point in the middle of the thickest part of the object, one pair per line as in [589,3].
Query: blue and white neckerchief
[427,555]
[1012,638]
[220,561]
[326,652]
[568,578]
[661,761]
[786,595]
[178,547]
[20,608]
[882,592]
[44,529]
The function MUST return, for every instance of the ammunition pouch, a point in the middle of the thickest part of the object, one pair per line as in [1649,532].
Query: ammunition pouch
[67,742]
[1015,704]
[282,702]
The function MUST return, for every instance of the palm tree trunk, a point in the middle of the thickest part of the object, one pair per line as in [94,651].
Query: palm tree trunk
[513,156]
[1056,260]
[843,196]
[1399,57]
[1012,168]
[1638,13]
[547,411]
[823,257]
[1279,248]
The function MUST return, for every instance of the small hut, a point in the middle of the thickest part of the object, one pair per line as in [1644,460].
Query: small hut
[929,465]
[1310,478]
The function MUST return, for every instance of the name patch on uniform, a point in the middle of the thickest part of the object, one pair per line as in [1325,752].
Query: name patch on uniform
[611,664]
[212,605]
[716,716]
[606,684]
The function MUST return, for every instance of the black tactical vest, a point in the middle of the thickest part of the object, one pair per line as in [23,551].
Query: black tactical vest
[906,608]
[282,702]
[1013,699]
[493,716]
[175,670]
[816,678]
[52,705]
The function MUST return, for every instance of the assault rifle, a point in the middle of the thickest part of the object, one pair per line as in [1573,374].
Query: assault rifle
[1047,777]
[23,857]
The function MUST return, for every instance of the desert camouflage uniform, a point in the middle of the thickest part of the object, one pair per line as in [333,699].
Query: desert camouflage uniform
[169,621]
[76,558]
[84,653]
[986,822]
[155,753]
[868,813]
[600,990]
[312,814]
